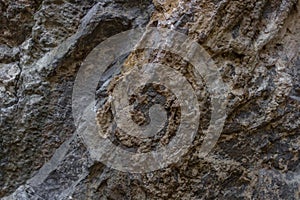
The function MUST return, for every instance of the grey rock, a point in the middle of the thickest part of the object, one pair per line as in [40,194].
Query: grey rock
[255,45]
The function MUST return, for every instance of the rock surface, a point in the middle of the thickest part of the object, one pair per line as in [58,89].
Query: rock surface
[254,43]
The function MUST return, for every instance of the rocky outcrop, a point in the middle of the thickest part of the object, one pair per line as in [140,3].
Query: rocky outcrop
[255,46]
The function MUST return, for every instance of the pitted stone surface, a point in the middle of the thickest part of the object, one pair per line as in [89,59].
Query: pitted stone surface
[254,43]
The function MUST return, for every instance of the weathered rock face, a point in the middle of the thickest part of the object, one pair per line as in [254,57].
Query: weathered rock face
[254,44]
[38,72]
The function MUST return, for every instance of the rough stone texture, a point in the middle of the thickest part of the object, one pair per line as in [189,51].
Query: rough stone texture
[255,44]
[37,78]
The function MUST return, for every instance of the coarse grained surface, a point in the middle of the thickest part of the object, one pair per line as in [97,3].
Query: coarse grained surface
[254,43]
